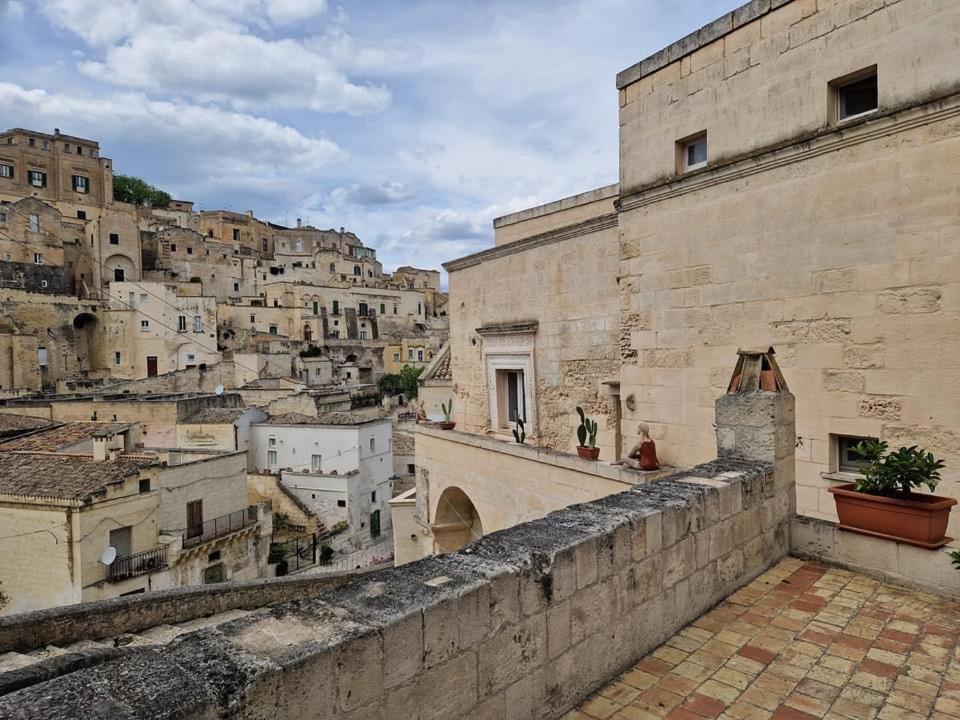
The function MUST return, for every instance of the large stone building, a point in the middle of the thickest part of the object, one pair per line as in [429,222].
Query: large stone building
[786,178]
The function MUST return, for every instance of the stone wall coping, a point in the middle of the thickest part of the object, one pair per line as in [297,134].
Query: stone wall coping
[715,30]
[547,456]
[572,201]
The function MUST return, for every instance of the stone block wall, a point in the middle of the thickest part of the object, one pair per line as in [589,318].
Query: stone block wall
[523,623]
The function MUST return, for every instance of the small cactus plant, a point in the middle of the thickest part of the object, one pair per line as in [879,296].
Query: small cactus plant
[520,432]
[587,431]
[447,408]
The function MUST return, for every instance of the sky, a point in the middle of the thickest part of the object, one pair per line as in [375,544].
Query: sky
[412,123]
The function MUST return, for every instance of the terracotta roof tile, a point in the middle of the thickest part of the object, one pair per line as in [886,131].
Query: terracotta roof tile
[59,475]
[61,437]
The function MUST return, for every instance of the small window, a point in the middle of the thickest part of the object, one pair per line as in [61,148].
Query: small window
[411,468]
[37,178]
[373,444]
[272,442]
[34,223]
[315,463]
[236,287]
[114,239]
[66,146]
[144,325]
[182,323]
[189,250]
[214,556]
[236,234]
[363,311]
[396,357]
[31,142]
[420,355]
[336,307]
[273,329]
[116,359]
[693,153]
[394,309]
[42,357]
[272,458]
[79,150]
[409,353]
[143,298]
[37,259]
[341,503]
[173,247]
[145,485]
[6,171]
[81,214]
[356,270]
[253,318]
[373,496]
[46,145]
[43,283]
[118,274]
[333,266]
[847,458]
[363,334]
[857,96]
[197,324]
[81,184]
[3,217]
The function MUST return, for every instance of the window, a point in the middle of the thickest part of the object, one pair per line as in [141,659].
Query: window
[37,178]
[396,357]
[363,334]
[116,359]
[420,355]
[856,94]
[79,150]
[31,142]
[336,307]
[418,308]
[333,267]
[369,273]
[373,445]
[411,469]
[315,463]
[3,217]
[46,145]
[316,307]
[341,503]
[145,485]
[236,287]
[43,283]
[693,152]
[409,353]
[298,246]
[847,459]
[383,309]
[37,259]
[6,171]
[356,270]
[34,223]
[194,518]
[143,298]
[394,309]
[182,323]
[173,247]
[272,459]
[81,214]
[253,318]
[510,397]
[236,234]
[66,146]
[114,239]
[144,325]
[363,311]
[118,274]
[189,250]
[316,371]
[42,357]
[272,442]
[81,184]
[373,496]
[197,324]
[121,542]
[191,358]
[273,329]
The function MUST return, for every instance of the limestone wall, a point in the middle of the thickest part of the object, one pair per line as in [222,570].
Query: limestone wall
[569,287]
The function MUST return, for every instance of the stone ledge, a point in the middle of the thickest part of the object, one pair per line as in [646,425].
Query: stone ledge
[618,473]
[893,562]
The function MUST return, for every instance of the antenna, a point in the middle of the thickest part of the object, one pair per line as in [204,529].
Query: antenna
[109,555]
[218,390]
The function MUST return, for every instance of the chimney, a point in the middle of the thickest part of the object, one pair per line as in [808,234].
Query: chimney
[56,131]
[299,224]
[99,448]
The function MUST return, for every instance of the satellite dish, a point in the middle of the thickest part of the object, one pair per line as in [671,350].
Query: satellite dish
[109,555]
[218,390]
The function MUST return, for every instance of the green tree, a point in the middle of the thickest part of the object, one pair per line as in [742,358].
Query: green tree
[129,189]
[403,382]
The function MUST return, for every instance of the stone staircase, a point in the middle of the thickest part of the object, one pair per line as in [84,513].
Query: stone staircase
[158,635]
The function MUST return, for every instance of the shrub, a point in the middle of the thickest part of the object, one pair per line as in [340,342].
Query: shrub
[896,473]
[326,553]
[276,553]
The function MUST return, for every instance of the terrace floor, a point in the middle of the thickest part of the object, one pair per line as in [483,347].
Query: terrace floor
[802,641]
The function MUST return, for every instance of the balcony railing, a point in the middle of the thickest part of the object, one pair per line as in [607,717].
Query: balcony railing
[218,527]
[141,563]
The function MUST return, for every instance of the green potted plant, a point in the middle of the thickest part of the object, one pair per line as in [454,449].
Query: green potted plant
[587,437]
[447,409]
[883,502]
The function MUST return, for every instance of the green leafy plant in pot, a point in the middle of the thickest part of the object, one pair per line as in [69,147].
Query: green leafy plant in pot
[883,503]
[587,437]
[447,409]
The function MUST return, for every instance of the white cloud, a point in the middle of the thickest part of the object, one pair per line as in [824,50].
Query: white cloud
[283,12]
[213,140]
[11,9]
[383,194]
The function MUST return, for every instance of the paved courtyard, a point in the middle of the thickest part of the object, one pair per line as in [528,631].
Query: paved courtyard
[802,641]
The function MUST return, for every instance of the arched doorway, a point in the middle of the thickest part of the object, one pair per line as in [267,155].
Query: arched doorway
[456,522]
[119,268]
[307,332]
[84,330]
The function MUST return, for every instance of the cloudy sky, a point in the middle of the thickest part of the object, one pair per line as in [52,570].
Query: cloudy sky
[412,122]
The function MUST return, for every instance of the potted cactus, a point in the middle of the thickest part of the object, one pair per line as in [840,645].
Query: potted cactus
[882,502]
[447,409]
[587,437]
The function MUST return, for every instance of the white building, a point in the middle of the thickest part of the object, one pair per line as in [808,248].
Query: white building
[339,464]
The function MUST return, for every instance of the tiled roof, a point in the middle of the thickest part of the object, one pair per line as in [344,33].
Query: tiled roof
[21,423]
[332,418]
[54,475]
[214,416]
[403,443]
[61,437]
[443,369]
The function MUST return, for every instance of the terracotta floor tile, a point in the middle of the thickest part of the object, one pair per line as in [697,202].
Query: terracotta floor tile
[704,706]
[599,707]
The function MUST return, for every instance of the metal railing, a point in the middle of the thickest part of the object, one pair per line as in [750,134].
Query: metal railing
[140,563]
[218,527]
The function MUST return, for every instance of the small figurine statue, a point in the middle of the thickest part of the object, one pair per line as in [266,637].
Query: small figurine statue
[421,412]
[643,455]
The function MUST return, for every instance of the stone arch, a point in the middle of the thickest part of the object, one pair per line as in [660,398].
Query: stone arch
[85,327]
[456,520]
[119,261]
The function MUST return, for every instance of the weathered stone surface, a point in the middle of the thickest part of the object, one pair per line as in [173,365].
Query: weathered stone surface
[885,408]
[910,300]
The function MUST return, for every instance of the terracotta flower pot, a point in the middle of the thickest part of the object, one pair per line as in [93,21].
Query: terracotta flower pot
[588,453]
[917,519]
[446,425]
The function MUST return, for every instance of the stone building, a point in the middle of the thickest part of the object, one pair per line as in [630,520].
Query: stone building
[787,179]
